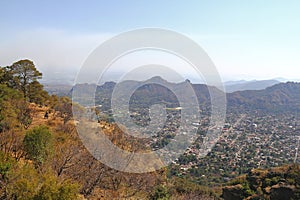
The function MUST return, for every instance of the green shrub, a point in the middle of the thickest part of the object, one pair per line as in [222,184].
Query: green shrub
[160,193]
[38,144]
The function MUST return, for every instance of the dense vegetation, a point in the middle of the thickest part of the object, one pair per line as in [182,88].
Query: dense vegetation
[275,184]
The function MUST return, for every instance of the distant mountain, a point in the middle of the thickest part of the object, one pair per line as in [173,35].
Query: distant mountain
[58,89]
[81,93]
[233,86]
[277,98]
[154,90]
[228,83]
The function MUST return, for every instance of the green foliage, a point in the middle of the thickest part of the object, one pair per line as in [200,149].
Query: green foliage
[187,158]
[68,191]
[20,178]
[38,143]
[2,75]
[279,183]
[239,180]
[8,111]
[24,113]
[186,186]
[160,193]
[14,110]
[23,183]
[247,190]
[6,163]
[23,76]
[52,189]
[26,183]
[294,174]
[6,77]
[36,93]
[267,182]
[4,169]
[24,73]
[64,107]
[275,180]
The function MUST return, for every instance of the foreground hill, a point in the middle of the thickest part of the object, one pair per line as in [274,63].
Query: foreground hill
[281,183]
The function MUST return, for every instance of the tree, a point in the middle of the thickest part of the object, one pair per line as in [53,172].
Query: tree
[14,116]
[8,111]
[2,74]
[6,77]
[52,188]
[36,93]
[64,107]
[23,183]
[67,152]
[24,73]
[38,143]
[24,113]
[22,76]
[14,110]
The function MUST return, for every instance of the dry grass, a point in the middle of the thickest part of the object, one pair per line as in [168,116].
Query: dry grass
[38,118]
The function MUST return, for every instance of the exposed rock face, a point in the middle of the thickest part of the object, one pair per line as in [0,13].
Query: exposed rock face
[233,192]
[281,183]
[255,179]
[282,192]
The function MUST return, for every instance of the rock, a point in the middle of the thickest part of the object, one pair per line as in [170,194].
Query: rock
[282,192]
[233,192]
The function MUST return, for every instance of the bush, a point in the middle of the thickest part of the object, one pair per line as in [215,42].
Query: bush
[38,144]
[6,163]
[27,184]
[160,193]
[52,189]
[23,183]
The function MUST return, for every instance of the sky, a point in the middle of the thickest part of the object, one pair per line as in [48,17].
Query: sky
[246,39]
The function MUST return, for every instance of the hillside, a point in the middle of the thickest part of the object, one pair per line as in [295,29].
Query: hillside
[235,86]
[42,156]
[281,183]
[282,97]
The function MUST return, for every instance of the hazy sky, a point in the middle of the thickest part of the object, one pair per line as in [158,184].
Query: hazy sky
[245,39]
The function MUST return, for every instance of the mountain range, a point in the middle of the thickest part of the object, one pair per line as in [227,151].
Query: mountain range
[233,86]
[276,98]
[60,87]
